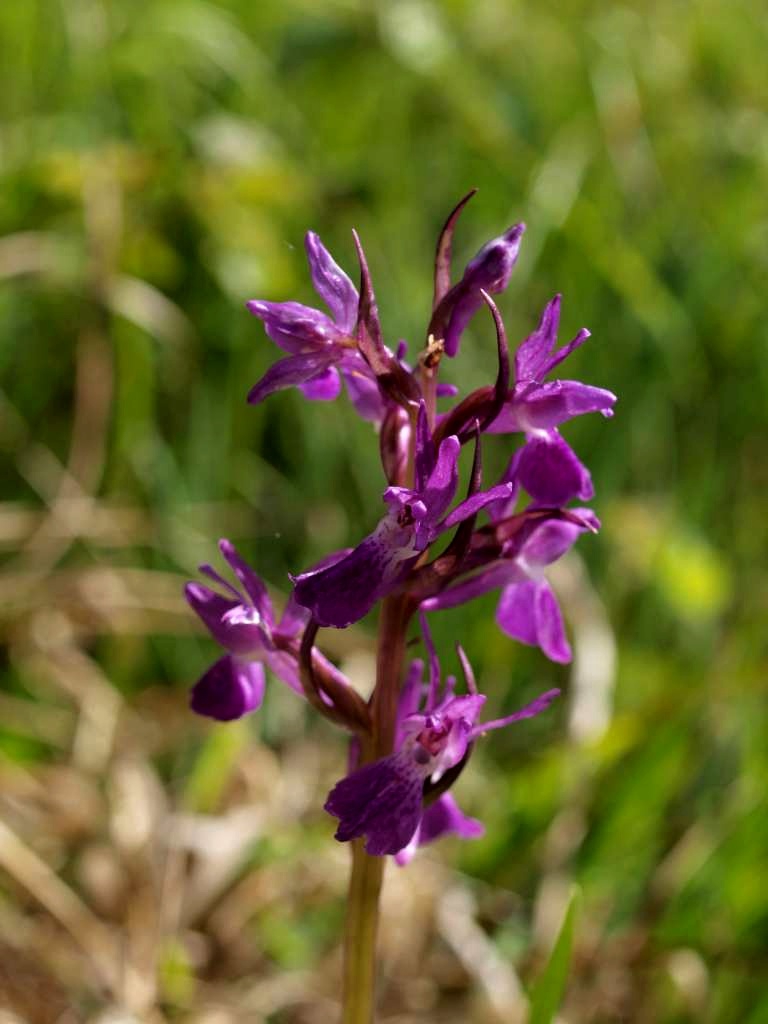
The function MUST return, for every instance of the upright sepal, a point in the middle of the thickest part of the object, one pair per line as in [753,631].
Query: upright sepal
[331,283]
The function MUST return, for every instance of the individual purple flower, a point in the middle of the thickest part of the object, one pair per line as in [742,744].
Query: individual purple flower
[443,816]
[536,405]
[489,271]
[243,622]
[383,801]
[321,347]
[546,466]
[345,591]
[528,610]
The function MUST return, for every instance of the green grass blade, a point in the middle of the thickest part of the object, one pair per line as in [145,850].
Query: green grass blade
[548,990]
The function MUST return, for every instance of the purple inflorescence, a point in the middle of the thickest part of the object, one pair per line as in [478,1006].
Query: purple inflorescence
[429,551]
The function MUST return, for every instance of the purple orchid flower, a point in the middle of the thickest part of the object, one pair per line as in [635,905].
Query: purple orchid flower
[384,802]
[528,610]
[444,816]
[345,591]
[322,348]
[489,271]
[243,622]
[546,466]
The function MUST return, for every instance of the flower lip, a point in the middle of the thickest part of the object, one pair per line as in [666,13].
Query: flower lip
[229,689]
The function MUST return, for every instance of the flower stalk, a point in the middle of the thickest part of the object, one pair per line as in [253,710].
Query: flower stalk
[360,936]
[367,871]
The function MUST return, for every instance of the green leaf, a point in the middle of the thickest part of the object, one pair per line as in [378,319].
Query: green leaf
[548,990]
[214,766]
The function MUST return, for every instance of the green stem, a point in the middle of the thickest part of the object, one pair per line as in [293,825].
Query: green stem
[368,872]
[360,936]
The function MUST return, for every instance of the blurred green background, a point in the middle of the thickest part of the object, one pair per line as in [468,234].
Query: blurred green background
[160,161]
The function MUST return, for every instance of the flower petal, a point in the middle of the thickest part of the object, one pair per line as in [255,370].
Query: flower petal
[462,713]
[562,353]
[324,387]
[364,391]
[490,271]
[290,372]
[543,406]
[515,612]
[549,625]
[529,612]
[425,450]
[229,689]
[410,697]
[541,703]
[254,586]
[294,327]
[331,283]
[536,356]
[295,615]
[346,591]
[532,353]
[502,493]
[237,627]
[548,541]
[551,472]
[294,618]
[381,801]
[495,575]
[585,518]
[444,478]
[285,667]
[443,817]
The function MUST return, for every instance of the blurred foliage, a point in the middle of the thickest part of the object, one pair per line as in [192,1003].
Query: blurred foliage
[159,162]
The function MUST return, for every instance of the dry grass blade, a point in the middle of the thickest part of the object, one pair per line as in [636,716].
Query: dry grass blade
[457,922]
[94,938]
